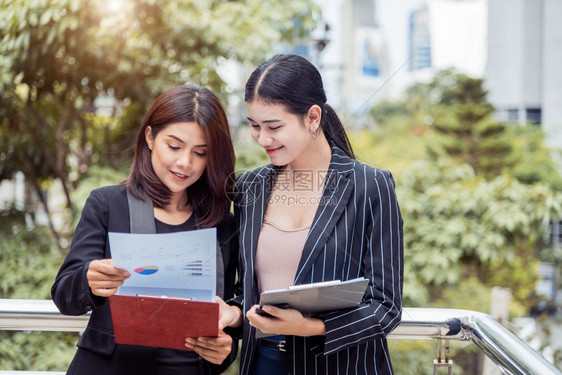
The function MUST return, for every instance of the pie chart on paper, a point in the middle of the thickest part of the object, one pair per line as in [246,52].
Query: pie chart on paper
[146,270]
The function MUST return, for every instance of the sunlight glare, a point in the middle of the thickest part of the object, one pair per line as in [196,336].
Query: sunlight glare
[115,5]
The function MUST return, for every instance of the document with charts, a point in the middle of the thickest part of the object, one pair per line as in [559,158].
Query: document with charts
[167,265]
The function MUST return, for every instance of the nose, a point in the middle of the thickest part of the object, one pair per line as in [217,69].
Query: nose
[185,160]
[264,139]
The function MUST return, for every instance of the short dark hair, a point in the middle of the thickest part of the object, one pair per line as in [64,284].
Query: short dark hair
[188,103]
[293,81]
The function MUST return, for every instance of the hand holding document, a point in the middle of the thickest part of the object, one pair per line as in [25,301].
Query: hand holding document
[171,292]
[316,298]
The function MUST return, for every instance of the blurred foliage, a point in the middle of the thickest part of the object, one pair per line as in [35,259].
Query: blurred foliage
[388,109]
[249,155]
[392,147]
[451,116]
[29,261]
[476,196]
[463,125]
[36,351]
[534,158]
[97,177]
[57,58]
[61,59]
[415,357]
[457,222]
[137,48]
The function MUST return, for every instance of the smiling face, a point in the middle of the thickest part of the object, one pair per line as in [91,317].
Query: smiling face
[286,137]
[179,155]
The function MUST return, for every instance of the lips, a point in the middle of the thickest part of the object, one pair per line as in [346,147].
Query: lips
[179,176]
[271,151]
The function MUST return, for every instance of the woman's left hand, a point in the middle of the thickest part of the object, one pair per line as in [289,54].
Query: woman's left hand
[285,322]
[212,349]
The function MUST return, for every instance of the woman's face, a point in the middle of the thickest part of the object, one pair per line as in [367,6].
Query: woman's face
[179,154]
[285,136]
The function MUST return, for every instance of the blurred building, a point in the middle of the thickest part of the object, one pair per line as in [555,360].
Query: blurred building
[445,34]
[524,59]
[356,66]
[420,40]
[375,50]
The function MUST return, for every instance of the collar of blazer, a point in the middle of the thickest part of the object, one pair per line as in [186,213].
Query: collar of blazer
[256,188]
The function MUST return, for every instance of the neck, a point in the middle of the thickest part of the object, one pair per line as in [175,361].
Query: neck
[178,203]
[316,158]
[176,212]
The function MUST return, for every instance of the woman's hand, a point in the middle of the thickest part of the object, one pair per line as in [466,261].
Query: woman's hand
[285,322]
[103,278]
[229,316]
[212,349]
[216,349]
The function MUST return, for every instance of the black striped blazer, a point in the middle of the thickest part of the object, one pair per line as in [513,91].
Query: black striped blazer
[357,231]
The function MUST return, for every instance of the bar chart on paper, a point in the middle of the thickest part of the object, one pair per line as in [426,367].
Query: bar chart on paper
[167,265]
[194,268]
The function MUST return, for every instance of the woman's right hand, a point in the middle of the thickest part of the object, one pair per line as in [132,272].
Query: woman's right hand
[103,278]
[229,316]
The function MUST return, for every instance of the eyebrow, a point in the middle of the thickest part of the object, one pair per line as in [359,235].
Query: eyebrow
[182,141]
[265,122]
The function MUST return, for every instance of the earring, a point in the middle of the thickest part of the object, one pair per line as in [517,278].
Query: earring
[313,133]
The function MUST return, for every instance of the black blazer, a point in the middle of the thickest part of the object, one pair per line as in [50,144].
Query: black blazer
[357,231]
[107,210]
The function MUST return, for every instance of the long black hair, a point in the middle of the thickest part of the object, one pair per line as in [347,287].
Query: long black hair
[294,82]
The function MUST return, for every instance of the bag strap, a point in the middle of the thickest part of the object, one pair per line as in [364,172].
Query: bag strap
[141,215]
[220,272]
[141,219]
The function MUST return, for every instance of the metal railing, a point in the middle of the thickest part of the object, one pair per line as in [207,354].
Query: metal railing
[511,354]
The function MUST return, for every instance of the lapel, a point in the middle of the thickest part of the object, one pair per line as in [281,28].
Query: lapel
[337,188]
[337,192]
[256,194]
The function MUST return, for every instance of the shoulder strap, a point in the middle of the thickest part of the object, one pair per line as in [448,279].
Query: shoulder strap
[220,271]
[141,215]
[141,219]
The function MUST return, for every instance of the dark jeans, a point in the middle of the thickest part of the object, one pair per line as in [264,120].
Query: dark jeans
[271,361]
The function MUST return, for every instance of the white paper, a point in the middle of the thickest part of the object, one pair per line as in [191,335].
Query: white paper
[167,265]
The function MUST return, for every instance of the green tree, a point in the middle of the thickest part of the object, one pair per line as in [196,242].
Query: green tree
[534,158]
[58,57]
[472,219]
[464,126]
[29,261]
[386,110]
[459,224]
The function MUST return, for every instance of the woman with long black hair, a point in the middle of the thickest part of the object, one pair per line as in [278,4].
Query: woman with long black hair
[314,214]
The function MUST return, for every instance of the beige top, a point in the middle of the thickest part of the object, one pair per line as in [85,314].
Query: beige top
[278,255]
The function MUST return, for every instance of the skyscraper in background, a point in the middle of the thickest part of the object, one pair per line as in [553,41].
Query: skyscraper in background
[365,64]
[376,49]
[447,34]
[420,40]
[422,37]
[524,60]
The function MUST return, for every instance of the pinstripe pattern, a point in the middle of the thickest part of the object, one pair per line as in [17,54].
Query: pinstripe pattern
[361,235]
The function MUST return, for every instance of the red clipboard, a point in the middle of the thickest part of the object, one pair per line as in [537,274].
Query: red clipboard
[162,322]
